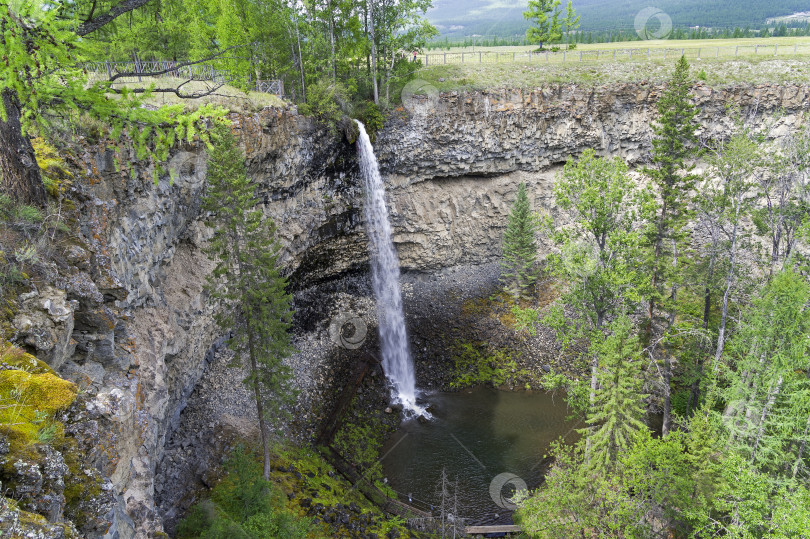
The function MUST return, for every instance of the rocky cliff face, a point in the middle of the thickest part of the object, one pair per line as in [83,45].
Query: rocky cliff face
[453,166]
[131,321]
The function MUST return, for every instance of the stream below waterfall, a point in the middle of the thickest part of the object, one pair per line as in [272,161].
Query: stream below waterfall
[476,435]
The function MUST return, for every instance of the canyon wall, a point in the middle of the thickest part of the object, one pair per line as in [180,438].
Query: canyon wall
[131,322]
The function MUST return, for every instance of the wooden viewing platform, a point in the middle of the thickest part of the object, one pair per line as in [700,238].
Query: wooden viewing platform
[483,530]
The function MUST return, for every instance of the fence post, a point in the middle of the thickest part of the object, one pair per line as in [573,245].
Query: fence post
[614,54]
[479,57]
[138,68]
[580,56]
[683,51]
[698,53]
[426,60]
[717,54]
[756,47]
[736,50]
[547,60]
[563,56]
[497,57]
[513,57]
[648,53]
[445,58]
[462,57]
[665,54]
[109,70]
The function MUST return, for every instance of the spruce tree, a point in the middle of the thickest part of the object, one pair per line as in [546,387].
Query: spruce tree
[246,285]
[519,248]
[674,143]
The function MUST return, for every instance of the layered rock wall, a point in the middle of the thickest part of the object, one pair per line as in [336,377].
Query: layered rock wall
[131,322]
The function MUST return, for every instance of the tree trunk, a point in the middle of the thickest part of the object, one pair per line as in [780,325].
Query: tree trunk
[694,397]
[332,39]
[254,370]
[721,334]
[373,55]
[21,177]
[659,239]
[262,421]
[761,427]
[666,425]
[801,449]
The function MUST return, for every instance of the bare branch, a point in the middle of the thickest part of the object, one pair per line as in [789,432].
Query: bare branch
[174,67]
[125,6]
[175,91]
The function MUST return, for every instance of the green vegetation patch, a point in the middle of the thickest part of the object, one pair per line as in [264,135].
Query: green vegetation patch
[535,73]
[30,394]
[475,363]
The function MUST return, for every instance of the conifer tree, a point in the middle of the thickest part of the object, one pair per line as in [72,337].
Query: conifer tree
[519,247]
[673,145]
[545,15]
[667,238]
[246,285]
[768,417]
[619,405]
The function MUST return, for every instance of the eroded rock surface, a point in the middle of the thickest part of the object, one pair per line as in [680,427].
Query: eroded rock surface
[130,322]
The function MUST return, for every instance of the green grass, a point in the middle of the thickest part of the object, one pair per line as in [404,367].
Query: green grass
[228,97]
[719,71]
[802,41]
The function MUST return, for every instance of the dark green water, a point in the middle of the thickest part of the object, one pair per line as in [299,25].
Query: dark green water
[476,435]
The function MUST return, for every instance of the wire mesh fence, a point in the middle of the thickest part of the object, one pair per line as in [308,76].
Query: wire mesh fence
[139,71]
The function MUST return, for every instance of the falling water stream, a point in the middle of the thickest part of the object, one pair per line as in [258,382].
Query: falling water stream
[396,355]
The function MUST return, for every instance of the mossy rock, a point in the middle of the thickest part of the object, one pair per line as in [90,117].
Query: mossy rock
[19,359]
[55,173]
[15,522]
[30,394]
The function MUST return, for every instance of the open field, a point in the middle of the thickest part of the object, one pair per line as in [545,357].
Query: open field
[717,71]
[654,44]
[634,50]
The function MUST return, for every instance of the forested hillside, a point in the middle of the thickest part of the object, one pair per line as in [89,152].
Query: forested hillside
[458,18]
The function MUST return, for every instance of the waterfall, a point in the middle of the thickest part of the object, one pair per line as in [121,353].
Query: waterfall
[396,354]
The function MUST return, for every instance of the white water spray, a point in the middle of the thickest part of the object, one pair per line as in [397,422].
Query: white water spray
[385,281]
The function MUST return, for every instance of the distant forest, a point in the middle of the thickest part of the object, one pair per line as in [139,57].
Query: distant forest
[457,19]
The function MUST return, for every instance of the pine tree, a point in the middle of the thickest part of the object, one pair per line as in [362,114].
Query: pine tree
[246,285]
[619,403]
[519,248]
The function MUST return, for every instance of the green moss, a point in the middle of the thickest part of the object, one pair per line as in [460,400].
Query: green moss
[30,394]
[55,173]
[476,364]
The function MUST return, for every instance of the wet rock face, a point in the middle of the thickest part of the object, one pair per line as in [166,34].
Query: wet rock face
[131,323]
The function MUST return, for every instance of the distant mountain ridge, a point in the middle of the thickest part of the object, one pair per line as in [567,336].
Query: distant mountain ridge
[457,18]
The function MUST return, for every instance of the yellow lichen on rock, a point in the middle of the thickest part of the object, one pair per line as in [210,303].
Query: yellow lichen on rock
[54,169]
[30,394]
